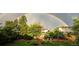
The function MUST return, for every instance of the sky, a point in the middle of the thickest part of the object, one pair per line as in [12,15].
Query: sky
[47,20]
[66,17]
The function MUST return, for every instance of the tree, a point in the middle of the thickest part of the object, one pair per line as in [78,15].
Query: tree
[16,25]
[7,35]
[35,29]
[23,27]
[55,34]
[12,25]
[16,22]
[75,27]
[9,24]
[8,32]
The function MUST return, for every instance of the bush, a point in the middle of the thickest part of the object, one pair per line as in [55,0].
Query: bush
[77,41]
[7,35]
[55,35]
[25,37]
[28,37]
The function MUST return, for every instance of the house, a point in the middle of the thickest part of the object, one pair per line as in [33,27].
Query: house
[45,31]
[66,29]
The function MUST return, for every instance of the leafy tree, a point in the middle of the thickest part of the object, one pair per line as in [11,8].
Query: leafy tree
[35,29]
[58,34]
[55,34]
[7,35]
[23,27]
[76,25]
[75,28]
[16,24]
[9,24]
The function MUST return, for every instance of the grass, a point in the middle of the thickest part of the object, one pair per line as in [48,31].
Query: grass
[45,43]
[24,43]
[58,43]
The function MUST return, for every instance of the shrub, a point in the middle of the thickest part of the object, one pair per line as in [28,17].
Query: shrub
[77,41]
[25,37]
[55,35]
[7,35]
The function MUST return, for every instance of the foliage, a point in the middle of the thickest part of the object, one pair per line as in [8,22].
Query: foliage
[55,34]
[9,24]
[35,29]
[25,37]
[8,32]
[7,35]
[13,30]
[75,28]
[16,25]
[75,25]
[17,30]
[23,27]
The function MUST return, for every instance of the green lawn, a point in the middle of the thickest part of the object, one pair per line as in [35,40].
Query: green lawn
[45,43]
